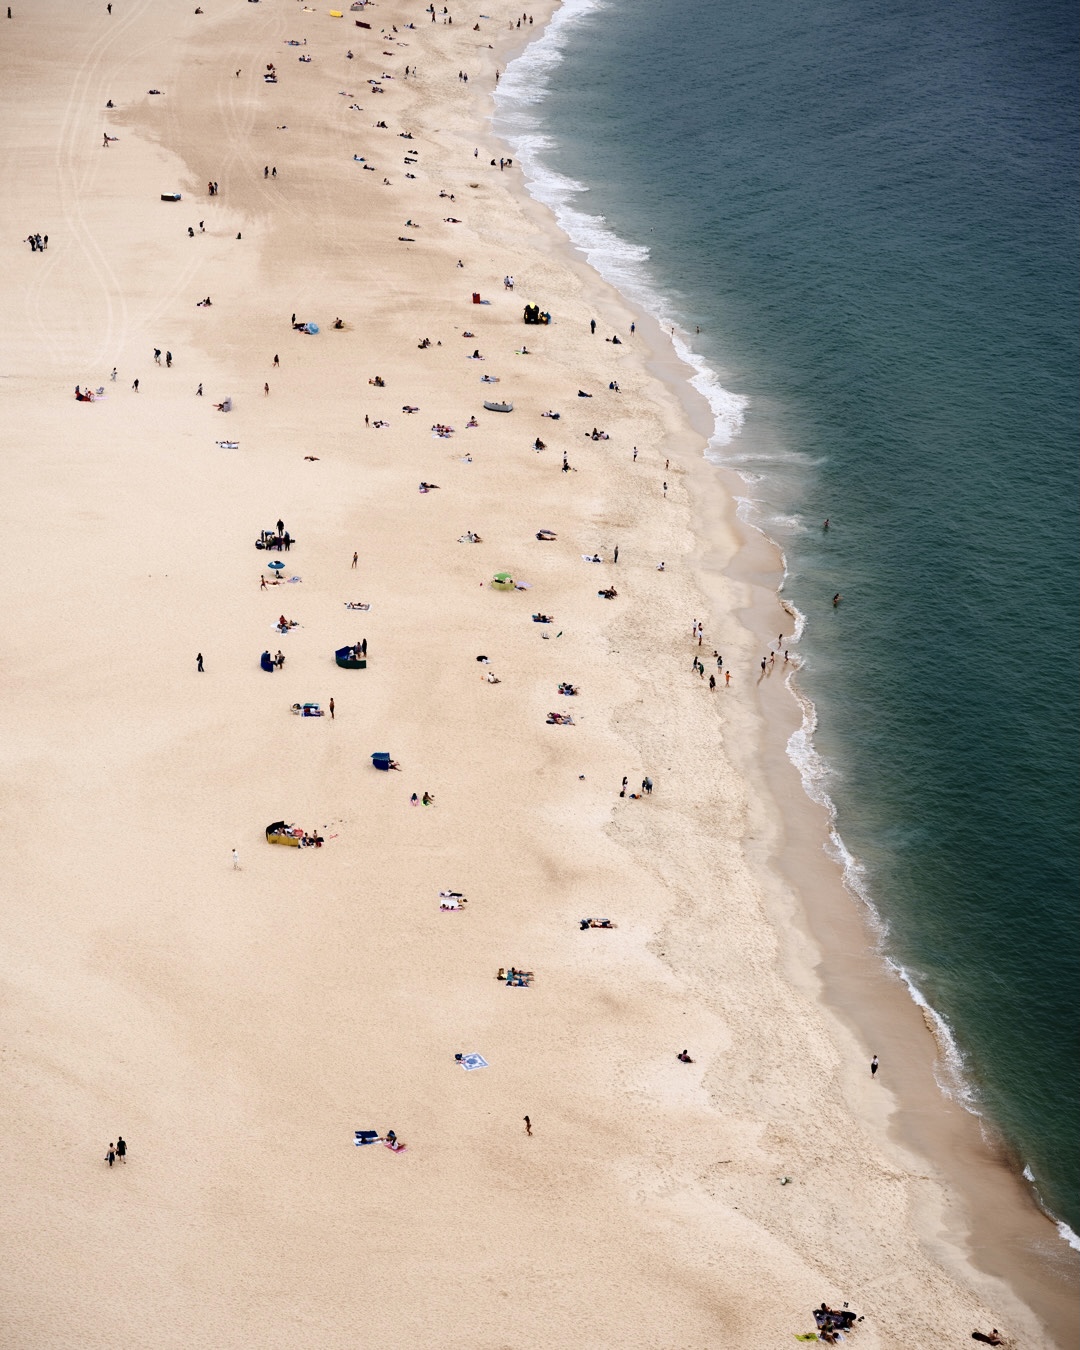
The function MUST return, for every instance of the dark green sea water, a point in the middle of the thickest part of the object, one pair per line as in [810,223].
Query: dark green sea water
[870,211]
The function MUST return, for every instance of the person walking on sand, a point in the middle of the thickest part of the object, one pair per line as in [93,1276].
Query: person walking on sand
[235,861]
[135,385]
[528,1127]
[276,361]
[622,790]
[355,559]
[110,1157]
[199,662]
[331,705]
[114,374]
[616,555]
[199,391]
[121,1144]
[873,1067]
[727,678]
[266,390]
[665,489]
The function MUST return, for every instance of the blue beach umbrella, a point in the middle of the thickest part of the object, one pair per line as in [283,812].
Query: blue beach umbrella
[275,566]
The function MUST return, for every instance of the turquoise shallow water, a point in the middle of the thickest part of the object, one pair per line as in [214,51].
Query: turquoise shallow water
[870,211]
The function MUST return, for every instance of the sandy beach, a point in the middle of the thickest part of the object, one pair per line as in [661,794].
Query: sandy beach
[237,1024]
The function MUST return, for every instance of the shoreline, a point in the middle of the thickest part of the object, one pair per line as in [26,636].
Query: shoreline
[866,997]
[254,1059]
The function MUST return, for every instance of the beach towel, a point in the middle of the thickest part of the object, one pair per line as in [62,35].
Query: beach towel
[473,1062]
[362,1137]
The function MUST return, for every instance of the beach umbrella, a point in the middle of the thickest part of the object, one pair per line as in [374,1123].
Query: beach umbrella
[313,327]
[276,566]
[503,580]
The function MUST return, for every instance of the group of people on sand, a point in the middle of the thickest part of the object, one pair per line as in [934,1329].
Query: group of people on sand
[312,840]
[514,977]
[831,1322]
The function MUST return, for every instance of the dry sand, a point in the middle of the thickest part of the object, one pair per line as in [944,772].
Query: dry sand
[237,1026]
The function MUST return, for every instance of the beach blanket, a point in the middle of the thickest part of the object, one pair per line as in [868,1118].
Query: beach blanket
[473,1062]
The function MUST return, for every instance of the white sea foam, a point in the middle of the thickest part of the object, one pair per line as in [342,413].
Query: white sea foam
[949,1069]
[523,86]
[1064,1231]
[1067,1235]
[815,773]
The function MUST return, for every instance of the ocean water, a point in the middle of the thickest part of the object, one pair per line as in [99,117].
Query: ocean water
[861,217]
